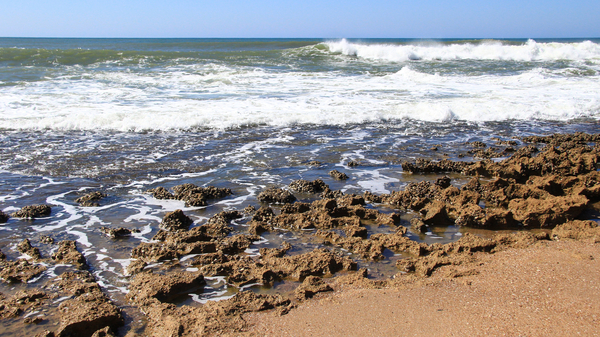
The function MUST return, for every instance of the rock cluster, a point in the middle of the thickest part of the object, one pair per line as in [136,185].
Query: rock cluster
[84,309]
[91,199]
[33,211]
[20,302]
[67,253]
[549,189]
[193,195]
[306,186]
[88,310]
[545,190]
[335,174]
[117,232]
[19,271]
[276,195]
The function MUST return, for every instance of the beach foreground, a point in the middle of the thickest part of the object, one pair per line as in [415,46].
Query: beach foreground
[547,289]
[525,261]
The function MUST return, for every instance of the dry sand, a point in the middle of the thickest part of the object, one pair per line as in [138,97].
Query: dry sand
[549,289]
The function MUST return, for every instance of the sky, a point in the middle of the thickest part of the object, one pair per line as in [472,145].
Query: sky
[300,19]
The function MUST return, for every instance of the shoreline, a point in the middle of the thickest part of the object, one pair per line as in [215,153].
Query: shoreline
[545,194]
[547,289]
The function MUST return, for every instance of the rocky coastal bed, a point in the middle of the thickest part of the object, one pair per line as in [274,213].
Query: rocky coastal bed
[545,197]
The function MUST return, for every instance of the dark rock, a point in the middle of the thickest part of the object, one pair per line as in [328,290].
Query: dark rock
[264,214]
[90,199]
[372,197]
[506,142]
[46,239]
[330,194]
[428,166]
[161,193]
[275,252]
[196,248]
[306,186]
[418,225]
[210,258]
[22,301]
[310,287]
[356,231]
[118,232]
[89,310]
[434,213]
[3,217]
[153,252]
[297,207]
[548,212]
[20,271]
[67,253]
[578,230]
[319,262]
[194,196]
[25,247]
[477,144]
[443,182]
[136,266]
[237,243]
[176,220]
[350,200]
[163,287]
[197,196]
[276,195]
[33,211]
[257,227]
[104,332]
[338,175]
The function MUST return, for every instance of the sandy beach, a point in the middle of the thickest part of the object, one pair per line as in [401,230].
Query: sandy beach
[549,289]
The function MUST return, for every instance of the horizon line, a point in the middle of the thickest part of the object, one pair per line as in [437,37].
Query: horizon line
[320,38]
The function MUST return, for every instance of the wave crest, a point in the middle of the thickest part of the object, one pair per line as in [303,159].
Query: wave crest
[484,50]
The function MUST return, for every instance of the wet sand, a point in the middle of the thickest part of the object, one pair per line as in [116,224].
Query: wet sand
[549,289]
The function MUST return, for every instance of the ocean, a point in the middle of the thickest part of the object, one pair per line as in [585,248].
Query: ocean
[123,116]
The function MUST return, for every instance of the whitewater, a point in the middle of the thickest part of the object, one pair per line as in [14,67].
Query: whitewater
[338,82]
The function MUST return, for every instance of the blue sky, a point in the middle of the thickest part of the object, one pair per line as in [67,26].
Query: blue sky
[308,18]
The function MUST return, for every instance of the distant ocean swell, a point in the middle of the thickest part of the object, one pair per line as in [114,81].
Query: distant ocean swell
[281,83]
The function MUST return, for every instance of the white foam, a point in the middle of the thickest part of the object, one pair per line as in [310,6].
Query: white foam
[82,238]
[373,181]
[61,299]
[70,210]
[217,296]
[233,202]
[143,183]
[490,50]
[189,96]
[140,236]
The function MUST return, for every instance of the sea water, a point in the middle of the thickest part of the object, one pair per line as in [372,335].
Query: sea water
[126,115]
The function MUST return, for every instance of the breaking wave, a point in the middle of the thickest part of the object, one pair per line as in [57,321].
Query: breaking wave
[482,50]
